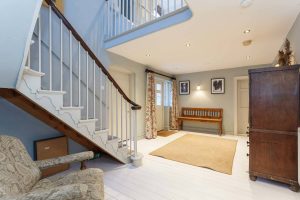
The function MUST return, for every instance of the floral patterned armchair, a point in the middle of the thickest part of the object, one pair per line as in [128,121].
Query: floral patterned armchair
[20,176]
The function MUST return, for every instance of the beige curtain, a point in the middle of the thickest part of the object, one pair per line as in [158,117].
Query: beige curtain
[174,108]
[151,129]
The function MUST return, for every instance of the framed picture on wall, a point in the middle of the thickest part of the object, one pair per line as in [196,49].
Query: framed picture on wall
[184,87]
[218,85]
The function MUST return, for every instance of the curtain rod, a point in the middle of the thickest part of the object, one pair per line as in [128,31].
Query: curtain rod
[150,71]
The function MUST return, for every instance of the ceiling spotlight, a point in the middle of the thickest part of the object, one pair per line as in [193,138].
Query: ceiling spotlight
[246,31]
[148,55]
[247,42]
[246,3]
[188,44]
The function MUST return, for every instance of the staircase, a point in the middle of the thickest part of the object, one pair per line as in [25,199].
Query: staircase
[65,85]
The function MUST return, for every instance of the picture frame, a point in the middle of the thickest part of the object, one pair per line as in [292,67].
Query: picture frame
[184,87]
[218,86]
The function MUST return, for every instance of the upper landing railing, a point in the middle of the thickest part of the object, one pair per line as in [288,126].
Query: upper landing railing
[125,15]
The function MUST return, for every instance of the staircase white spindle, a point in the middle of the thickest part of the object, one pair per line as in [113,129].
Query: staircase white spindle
[119,16]
[130,128]
[117,116]
[123,16]
[175,1]
[151,9]
[131,14]
[168,6]
[107,102]
[79,74]
[115,18]
[126,14]
[28,57]
[101,99]
[107,21]
[111,109]
[121,120]
[94,90]
[162,8]
[61,55]
[87,85]
[155,9]
[71,68]
[126,122]
[134,131]
[50,46]
[40,44]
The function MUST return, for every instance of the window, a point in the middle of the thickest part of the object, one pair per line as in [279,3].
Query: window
[158,88]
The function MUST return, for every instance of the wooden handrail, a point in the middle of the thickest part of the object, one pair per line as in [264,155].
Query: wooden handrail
[90,53]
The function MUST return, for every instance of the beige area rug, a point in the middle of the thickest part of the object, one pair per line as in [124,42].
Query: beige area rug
[165,133]
[202,151]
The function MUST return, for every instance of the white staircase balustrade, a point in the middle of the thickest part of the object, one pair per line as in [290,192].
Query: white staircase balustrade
[125,15]
[64,76]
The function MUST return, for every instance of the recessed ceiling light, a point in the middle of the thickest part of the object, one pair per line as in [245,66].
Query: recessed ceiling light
[248,57]
[148,55]
[188,44]
[246,31]
[246,3]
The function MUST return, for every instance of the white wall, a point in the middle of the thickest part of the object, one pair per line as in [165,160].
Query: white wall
[139,93]
[205,99]
[17,19]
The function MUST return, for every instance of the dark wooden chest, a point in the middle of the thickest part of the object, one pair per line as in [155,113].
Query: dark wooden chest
[274,120]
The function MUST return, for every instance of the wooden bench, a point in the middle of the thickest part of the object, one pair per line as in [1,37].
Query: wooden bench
[211,115]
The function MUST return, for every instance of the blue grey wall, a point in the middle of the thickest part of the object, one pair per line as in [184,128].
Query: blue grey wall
[17,19]
[16,122]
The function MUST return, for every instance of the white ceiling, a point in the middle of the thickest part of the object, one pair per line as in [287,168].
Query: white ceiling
[215,33]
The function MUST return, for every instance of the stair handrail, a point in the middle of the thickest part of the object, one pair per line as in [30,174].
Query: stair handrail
[76,35]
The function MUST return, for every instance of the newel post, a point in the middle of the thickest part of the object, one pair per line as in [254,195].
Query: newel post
[136,157]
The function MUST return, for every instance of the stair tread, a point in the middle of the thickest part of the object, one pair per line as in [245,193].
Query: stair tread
[29,71]
[51,92]
[72,108]
[101,131]
[87,120]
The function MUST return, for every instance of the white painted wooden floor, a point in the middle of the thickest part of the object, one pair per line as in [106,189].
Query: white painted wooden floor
[159,178]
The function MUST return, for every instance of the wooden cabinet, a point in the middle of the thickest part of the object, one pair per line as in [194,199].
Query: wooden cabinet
[52,148]
[274,120]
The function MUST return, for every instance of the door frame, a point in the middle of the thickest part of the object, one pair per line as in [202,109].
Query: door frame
[235,102]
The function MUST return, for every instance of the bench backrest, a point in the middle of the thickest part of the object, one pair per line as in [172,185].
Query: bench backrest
[211,113]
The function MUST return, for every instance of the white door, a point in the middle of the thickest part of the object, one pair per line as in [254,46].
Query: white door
[159,104]
[242,106]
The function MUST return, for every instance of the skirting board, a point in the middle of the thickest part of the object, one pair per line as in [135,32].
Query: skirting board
[205,130]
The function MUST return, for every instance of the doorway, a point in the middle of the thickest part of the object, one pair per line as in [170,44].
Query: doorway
[159,94]
[241,105]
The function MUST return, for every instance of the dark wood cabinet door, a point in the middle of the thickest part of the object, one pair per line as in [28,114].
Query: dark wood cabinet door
[275,100]
[274,154]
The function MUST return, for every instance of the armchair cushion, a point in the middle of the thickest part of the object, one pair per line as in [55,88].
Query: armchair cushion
[66,192]
[43,164]
[18,173]
[92,178]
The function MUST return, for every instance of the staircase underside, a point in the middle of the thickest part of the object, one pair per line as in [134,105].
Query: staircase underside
[26,104]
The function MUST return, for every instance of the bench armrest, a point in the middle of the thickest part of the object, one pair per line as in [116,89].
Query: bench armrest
[78,157]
